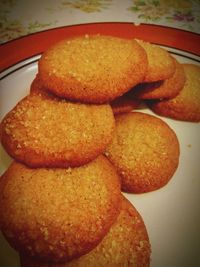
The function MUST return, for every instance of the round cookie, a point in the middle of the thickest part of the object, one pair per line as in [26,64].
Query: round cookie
[168,88]
[124,104]
[186,105]
[42,131]
[126,244]
[92,69]
[58,214]
[145,152]
[160,64]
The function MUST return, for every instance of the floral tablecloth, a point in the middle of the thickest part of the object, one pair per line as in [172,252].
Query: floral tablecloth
[21,17]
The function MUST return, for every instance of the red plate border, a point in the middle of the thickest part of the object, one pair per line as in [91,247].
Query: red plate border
[22,48]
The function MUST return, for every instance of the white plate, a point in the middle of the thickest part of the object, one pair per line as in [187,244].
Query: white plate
[171,214]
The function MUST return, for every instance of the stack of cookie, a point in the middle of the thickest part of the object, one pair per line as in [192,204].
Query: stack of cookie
[170,91]
[60,199]
[144,150]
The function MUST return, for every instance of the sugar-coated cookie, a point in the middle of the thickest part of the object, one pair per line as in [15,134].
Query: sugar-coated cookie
[186,105]
[58,214]
[168,88]
[145,152]
[92,69]
[160,64]
[45,131]
[126,244]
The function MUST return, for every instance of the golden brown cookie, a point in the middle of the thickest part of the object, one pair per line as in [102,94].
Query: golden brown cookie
[168,88]
[124,104]
[145,152]
[58,214]
[92,69]
[44,131]
[186,105]
[126,244]
[160,64]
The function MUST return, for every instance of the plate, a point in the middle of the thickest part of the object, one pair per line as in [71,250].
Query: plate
[171,214]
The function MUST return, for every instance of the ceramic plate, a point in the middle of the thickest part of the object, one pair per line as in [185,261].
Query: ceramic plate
[171,214]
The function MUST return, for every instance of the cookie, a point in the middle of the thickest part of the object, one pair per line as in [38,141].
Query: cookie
[126,244]
[124,104]
[58,214]
[186,105]
[160,64]
[92,69]
[145,152]
[168,88]
[42,131]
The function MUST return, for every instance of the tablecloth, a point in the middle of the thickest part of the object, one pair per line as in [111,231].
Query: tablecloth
[20,17]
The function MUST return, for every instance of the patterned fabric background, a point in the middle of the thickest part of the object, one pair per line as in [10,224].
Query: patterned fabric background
[21,17]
